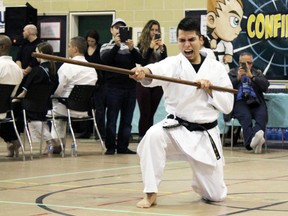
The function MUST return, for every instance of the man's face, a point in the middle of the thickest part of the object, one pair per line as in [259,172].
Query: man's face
[189,44]
[229,20]
[25,33]
[246,59]
[115,29]
[71,50]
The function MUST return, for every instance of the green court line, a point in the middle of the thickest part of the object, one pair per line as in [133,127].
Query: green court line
[76,173]
[93,209]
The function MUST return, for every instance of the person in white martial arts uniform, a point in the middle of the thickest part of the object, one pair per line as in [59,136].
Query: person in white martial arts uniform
[181,134]
[69,76]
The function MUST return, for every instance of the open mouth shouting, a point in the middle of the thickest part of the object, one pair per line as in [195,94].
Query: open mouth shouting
[188,53]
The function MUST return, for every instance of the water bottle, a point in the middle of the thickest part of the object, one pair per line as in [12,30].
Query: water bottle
[273,134]
[268,133]
[279,134]
[50,150]
[286,134]
[73,149]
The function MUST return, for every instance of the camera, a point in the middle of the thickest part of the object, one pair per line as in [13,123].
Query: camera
[125,33]
[243,66]
[246,88]
[248,93]
[157,36]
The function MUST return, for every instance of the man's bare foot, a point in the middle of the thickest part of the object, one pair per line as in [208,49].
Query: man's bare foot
[149,200]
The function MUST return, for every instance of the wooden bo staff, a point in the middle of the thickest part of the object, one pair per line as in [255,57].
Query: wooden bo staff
[127,72]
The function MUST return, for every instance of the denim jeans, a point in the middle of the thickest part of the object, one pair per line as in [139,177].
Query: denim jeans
[245,114]
[119,101]
[100,105]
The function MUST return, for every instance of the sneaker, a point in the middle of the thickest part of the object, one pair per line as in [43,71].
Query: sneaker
[128,151]
[57,149]
[110,152]
[257,139]
[258,148]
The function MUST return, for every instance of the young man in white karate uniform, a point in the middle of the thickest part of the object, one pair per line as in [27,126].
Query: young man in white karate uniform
[190,131]
[69,76]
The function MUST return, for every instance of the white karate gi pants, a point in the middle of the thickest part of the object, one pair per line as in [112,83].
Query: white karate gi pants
[158,145]
[35,128]
[59,109]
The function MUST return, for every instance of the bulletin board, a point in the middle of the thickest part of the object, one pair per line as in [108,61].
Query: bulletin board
[53,30]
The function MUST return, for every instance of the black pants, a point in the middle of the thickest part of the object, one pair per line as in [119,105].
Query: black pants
[7,131]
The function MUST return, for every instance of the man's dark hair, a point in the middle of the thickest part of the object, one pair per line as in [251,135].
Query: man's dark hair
[245,53]
[189,24]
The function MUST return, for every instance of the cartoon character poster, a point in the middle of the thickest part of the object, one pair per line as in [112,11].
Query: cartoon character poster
[256,26]
[265,35]
[223,26]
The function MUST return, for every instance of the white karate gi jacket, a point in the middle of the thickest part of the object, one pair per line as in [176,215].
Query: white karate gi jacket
[69,76]
[10,74]
[194,105]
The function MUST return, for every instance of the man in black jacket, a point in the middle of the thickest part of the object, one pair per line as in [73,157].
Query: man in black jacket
[249,103]
[121,90]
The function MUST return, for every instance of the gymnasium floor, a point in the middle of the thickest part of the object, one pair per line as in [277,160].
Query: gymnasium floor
[96,184]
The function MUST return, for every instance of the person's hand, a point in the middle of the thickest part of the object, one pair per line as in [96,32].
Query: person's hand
[25,72]
[139,73]
[15,100]
[130,44]
[117,40]
[152,43]
[241,72]
[205,85]
[213,44]
[227,59]
[244,71]
[159,42]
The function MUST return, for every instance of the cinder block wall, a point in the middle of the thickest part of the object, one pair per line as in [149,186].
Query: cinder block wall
[135,12]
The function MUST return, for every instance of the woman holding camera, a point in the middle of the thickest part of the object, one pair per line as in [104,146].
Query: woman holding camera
[152,50]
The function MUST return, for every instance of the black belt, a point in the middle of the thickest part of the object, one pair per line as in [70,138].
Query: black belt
[217,54]
[199,127]
[194,126]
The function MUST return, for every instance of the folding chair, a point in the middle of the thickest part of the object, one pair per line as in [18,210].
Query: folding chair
[6,106]
[233,122]
[80,99]
[37,100]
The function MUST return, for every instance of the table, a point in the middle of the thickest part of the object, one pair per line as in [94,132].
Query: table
[277,104]
[159,115]
[277,125]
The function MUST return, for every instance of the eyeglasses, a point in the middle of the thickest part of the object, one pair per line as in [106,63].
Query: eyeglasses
[248,62]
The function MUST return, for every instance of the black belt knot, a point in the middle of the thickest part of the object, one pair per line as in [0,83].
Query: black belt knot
[194,126]
[199,127]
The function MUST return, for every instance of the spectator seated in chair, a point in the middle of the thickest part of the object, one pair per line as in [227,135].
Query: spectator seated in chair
[249,103]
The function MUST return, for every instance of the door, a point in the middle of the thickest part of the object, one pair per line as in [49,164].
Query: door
[100,23]
[82,22]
